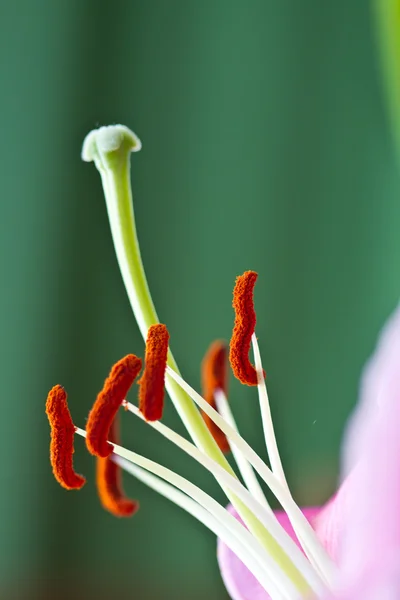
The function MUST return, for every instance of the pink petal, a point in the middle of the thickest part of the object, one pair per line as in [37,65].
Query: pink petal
[380,384]
[371,520]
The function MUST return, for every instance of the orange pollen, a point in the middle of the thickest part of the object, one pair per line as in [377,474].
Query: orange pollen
[213,378]
[62,439]
[152,382]
[102,415]
[245,323]
[109,482]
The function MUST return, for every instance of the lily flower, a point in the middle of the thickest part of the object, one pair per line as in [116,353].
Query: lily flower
[347,549]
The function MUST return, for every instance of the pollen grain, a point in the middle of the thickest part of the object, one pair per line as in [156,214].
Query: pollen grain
[152,382]
[62,439]
[213,378]
[245,322]
[107,403]
[109,482]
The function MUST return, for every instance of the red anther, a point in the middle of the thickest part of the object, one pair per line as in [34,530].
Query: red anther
[214,377]
[245,323]
[102,415]
[109,482]
[152,382]
[62,439]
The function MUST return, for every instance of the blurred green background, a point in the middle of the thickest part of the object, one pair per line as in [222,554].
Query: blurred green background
[266,146]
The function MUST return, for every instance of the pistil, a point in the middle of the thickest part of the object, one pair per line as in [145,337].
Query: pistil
[109,148]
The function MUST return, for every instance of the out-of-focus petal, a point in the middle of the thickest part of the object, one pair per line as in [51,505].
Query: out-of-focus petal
[374,585]
[379,383]
[371,523]
[371,520]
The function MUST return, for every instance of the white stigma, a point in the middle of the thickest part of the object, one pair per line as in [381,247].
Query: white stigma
[110,138]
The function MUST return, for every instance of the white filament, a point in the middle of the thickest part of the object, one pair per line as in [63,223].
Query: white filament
[305,533]
[269,433]
[250,543]
[202,515]
[263,515]
[245,468]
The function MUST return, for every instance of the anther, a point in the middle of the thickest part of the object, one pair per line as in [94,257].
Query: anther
[152,382]
[62,439]
[245,322]
[102,415]
[213,378]
[109,482]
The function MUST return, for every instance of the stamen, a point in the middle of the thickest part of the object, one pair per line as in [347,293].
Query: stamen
[62,439]
[109,482]
[268,427]
[304,531]
[245,468]
[213,377]
[274,573]
[262,512]
[245,322]
[127,459]
[215,525]
[102,415]
[152,382]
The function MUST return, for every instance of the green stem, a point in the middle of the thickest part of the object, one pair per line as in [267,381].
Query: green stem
[387,15]
[110,149]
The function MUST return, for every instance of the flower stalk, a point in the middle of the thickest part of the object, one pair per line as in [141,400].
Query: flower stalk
[110,148]
[387,17]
